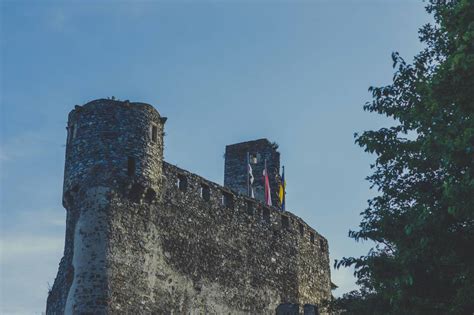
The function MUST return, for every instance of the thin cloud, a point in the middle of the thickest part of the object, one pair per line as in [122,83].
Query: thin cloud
[12,248]
[31,246]
[344,279]
[23,145]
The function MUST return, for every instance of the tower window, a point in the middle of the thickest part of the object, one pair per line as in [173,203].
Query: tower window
[301,227]
[322,244]
[182,182]
[150,195]
[154,133]
[285,223]
[72,132]
[266,215]
[253,158]
[131,166]
[205,192]
[311,237]
[227,200]
[250,208]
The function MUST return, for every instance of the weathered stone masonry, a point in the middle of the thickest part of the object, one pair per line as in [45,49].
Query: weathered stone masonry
[257,153]
[145,237]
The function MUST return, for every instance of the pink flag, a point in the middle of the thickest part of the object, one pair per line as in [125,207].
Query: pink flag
[268,196]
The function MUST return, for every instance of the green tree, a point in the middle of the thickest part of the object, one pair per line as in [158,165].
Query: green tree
[422,220]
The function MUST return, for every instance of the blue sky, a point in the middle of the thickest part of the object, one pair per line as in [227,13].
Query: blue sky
[222,72]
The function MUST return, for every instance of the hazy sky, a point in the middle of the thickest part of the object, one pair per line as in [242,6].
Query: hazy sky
[222,72]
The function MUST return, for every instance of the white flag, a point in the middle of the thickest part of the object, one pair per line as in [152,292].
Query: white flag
[251,179]
[251,174]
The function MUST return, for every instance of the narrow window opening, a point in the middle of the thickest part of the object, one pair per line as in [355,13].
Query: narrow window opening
[285,223]
[266,215]
[131,168]
[150,195]
[205,192]
[71,133]
[182,183]
[322,245]
[253,159]
[301,229]
[311,237]
[136,192]
[154,133]
[250,208]
[227,200]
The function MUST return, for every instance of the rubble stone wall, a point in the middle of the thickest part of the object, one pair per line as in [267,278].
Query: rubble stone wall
[256,256]
[161,240]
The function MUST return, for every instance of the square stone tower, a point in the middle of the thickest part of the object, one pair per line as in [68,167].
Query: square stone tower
[257,152]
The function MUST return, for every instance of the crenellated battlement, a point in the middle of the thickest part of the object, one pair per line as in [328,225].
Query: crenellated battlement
[242,207]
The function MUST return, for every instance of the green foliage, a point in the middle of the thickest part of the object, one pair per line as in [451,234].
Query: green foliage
[422,221]
[359,303]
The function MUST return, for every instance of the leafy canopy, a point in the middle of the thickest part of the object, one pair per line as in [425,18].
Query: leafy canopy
[423,217]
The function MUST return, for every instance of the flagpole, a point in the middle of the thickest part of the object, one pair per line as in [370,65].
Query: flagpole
[284,189]
[265,183]
[248,174]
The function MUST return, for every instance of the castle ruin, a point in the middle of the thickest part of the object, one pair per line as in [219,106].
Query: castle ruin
[146,237]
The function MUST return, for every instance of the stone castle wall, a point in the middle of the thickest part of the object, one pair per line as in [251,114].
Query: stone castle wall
[166,241]
[258,256]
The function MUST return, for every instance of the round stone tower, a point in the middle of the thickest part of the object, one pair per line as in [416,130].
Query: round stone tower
[110,142]
[114,152]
